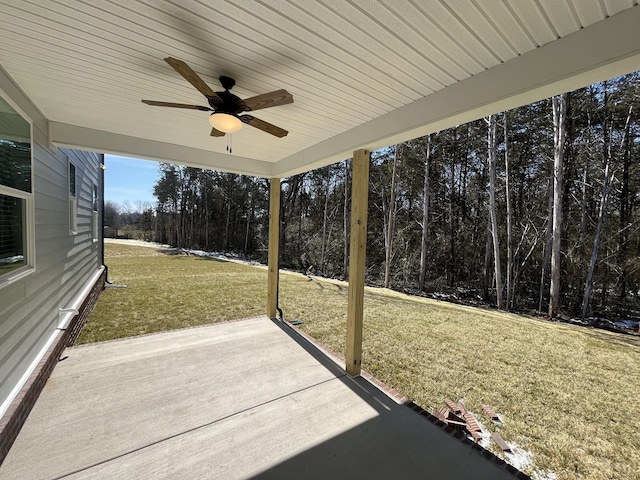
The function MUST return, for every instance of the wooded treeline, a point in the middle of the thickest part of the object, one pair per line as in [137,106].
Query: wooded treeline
[460,211]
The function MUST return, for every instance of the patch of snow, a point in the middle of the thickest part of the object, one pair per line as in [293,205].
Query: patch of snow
[577,321]
[227,257]
[519,457]
[202,253]
[137,243]
[544,475]
[625,324]
[630,324]
[444,296]
[485,434]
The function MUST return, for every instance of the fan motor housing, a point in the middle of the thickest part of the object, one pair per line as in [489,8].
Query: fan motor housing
[231,103]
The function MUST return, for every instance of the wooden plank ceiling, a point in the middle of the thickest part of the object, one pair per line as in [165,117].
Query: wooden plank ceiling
[363,73]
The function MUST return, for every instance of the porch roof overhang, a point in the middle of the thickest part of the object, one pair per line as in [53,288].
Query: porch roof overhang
[363,74]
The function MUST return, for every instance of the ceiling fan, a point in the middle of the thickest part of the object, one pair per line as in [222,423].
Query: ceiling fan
[226,106]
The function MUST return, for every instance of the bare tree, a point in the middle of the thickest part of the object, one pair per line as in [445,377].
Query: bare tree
[111,216]
[596,240]
[559,104]
[325,217]
[392,220]
[507,190]
[127,212]
[426,193]
[492,151]
[546,255]
[486,278]
[604,198]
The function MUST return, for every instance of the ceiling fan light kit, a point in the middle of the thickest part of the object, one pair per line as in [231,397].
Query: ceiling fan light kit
[225,122]
[226,106]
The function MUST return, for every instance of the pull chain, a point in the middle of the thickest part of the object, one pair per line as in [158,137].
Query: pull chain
[229,143]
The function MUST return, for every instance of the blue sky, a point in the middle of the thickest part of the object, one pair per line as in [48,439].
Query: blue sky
[129,179]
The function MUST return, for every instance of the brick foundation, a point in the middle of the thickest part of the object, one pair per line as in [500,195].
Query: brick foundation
[79,321]
[14,418]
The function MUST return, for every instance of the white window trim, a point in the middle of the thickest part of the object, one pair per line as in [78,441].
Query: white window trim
[95,213]
[30,210]
[30,246]
[73,199]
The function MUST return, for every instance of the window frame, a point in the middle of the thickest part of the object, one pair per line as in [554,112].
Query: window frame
[95,212]
[73,198]
[29,208]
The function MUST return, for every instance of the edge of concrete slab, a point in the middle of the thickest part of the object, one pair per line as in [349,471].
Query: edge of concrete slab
[399,398]
[167,332]
[335,363]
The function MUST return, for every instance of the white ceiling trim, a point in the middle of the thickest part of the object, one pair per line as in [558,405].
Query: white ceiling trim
[71,136]
[572,62]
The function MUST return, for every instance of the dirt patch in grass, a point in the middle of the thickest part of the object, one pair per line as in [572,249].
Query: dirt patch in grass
[566,393]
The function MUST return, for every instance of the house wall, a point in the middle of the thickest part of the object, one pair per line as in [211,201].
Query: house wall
[67,265]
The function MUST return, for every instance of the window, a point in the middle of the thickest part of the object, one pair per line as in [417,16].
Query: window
[16,197]
[95,219]
[73,201]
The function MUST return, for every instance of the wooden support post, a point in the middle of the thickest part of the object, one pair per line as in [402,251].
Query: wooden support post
[274,242]
[357,255]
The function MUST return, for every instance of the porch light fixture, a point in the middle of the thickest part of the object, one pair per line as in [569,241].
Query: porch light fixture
[225,123]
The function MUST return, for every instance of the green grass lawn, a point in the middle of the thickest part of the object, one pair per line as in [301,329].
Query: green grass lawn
[166,291]
[568,394]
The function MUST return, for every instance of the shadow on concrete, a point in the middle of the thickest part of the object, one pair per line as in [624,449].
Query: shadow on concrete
[396,443]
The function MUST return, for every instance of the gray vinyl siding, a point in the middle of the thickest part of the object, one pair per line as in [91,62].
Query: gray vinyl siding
[64,263]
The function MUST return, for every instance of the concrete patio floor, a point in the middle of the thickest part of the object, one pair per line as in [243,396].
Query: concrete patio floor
[243,399]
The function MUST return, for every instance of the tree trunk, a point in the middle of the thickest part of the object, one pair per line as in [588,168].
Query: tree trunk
[451,270]
[606,187]
[546,258]
[287,208]
[596,240]
[507,189]
[228,181]
[249,219]
[492,145]
[426,193]
[391,222]
[626,199]
[559,134]
[323,247]
[206,217]
[487,262]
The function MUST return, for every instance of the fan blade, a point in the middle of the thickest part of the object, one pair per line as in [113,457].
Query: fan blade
[191,77]
[264,126]
[266,100]
[176,105]
[217,133]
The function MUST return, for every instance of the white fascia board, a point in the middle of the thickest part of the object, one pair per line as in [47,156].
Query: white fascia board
[607,49]
[21,102]
[82,138]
